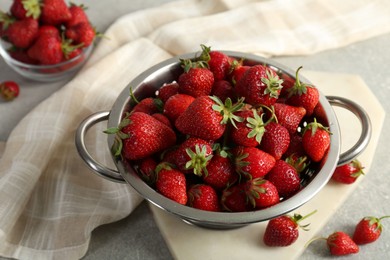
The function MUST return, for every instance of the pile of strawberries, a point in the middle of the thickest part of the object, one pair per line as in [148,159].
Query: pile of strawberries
[226,135]
[45,32]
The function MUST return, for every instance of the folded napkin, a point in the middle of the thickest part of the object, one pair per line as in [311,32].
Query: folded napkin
[49,200]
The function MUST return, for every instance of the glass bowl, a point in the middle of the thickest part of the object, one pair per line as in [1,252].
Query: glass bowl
[45,73]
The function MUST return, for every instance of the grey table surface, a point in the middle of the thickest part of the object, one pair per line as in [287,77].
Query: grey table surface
[138,237]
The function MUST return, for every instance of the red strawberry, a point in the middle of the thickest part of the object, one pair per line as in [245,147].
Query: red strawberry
[284,230]
[176,105]
[348,173]
[261,193]
[259,85]
[368,230]
[22,33]
[316,140]
[22,56]
[193,156]
[252,162]
[285,178]
[5,21]
[339,243]
[171,183]
[78,15]
[219,64]
[276,140]
[54,12]
[206,117]
[146,170]
[223,89]
[22,9]
[295,148]
[303,95]
[168,90]
[289,116]
[81,33]
[47,50]
[148,105]
[9,90]
[220,172]
[250,131]
[140,135]
[238,70]
[204,197]
[196,80]
[234,199]
[49,30]
[162,118]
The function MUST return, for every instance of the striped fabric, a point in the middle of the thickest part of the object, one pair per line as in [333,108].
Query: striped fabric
[49,200]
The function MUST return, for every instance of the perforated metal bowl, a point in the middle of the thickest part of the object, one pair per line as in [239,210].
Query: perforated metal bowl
[149,81]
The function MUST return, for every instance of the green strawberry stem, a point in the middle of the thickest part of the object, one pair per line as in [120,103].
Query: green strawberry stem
[33,8]
[198,160]
[273,83]
[298,88]
[133,96]
[314,126]
[228,109]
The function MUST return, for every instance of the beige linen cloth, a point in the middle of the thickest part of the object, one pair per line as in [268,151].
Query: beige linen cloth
[49,200]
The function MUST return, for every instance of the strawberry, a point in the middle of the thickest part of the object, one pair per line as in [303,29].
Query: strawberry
[284,230]
[162,118]
[368,230]
[220,172]
[196,80]
[81,33]
[9,90]
[289,116]
[54,12]
[5,21]
[316,140]
[250,131]
[176,105]
[259,85]
[204,197]
[146,170]
[78,15]
[339,243]
[234,199]
[223,89]
[22,56]
[193,156]
[140,135]
[148,105]
[168,90]
[276,140]
[252,162]
[49,30]
[206,117]
[47,49]
[295,148]
[171,183]
[22,33]
[348,173]
[285,178]
[219,64]
[22,9]
[261,193]
[303,95]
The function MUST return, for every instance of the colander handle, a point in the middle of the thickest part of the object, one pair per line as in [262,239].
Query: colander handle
[99,169]
[364,119]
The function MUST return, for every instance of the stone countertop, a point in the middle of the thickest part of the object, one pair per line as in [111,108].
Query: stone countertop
[138,237]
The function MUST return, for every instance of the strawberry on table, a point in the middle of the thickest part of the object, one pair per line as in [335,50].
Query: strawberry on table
[368,230]
[348,173]
[171,183]
[141,128]
[259,85]
[303,95]
[316,140]
[204,197]
[284,230]
[9,90]
[340,243]
[206,117]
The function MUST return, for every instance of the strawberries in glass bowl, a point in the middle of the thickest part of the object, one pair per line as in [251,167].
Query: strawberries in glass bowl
[47,40]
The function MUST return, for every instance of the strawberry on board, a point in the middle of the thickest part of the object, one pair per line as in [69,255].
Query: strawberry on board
[22,9]
[54,12]
[9,90]
[141,128]
[206,117]
[303,95]
[349,172]
[259,85]
[261,193]
[252,162]
[284,230]
[316,140]
[285,178]
[368,230]
[340,243]
[171,183]
[22,33]
[204,197]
